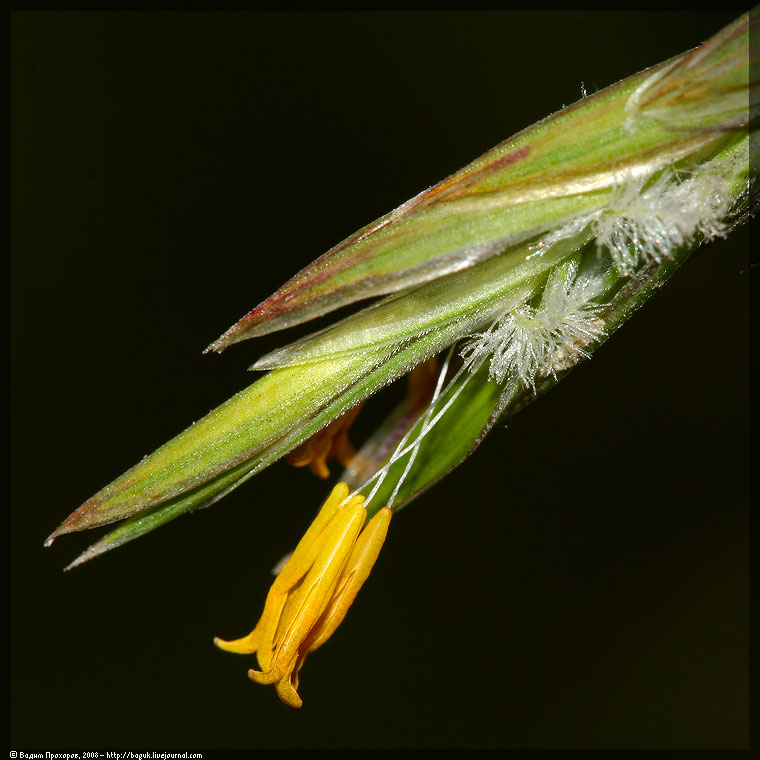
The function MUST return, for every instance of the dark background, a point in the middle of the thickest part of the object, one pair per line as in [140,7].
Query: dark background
[580,582]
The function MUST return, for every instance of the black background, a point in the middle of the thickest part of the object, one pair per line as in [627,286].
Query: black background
[580,582]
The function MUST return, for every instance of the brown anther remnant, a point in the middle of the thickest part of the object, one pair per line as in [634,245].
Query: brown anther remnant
[422,380]
[332,441]
[329,443]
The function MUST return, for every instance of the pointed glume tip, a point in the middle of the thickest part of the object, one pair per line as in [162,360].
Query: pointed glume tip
[80,560]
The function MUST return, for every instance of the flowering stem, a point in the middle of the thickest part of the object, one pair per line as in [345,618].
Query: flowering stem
[522,263]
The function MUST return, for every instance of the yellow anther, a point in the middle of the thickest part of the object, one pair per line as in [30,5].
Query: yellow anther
[312,593]
[261,637]
[357,570]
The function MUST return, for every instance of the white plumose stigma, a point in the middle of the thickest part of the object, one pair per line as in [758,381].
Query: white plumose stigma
[530,342]
[650,218]
[644,219]
[653,220]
